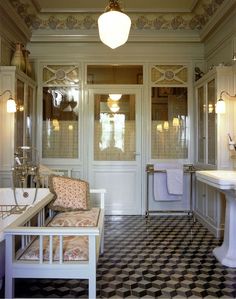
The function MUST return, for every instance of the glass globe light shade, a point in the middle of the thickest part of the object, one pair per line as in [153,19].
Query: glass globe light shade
[114,27]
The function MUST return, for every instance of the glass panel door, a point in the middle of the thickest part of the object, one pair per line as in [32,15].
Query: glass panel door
[169,139]
[19,115]
[114,128]
[114,139]
[29,116]
[60,122]
[211,122]
[201,124]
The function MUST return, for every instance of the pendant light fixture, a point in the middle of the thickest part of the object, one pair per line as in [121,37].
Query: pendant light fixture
[114,25]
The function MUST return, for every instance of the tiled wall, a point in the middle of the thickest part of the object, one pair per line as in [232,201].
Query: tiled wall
[60,141]
[169,144]
[63,143]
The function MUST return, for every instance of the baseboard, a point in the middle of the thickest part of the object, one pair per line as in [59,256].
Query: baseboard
[216,231]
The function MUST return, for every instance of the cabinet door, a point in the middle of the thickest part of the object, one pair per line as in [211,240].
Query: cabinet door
[200,203]
[29,116]
[201,107]
[19,115]
[211,123]
[211,205]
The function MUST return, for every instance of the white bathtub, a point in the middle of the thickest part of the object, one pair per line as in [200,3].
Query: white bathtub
[7,198]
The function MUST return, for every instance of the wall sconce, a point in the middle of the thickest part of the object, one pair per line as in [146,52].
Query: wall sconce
[11,104]
[114,25]
[220,105]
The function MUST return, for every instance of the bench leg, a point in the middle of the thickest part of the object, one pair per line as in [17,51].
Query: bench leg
[92,288]
[9,287]
[102,242]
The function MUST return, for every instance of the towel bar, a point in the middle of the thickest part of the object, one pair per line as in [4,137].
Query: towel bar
[189,169]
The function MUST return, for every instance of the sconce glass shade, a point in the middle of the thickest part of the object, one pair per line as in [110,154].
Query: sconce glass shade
[234,57]
[220,106]
[210,108]
[115,96]
[166,125]
[114,26]
[11,105]
[159,128]
[175,122]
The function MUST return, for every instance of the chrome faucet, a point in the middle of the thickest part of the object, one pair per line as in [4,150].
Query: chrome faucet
[24,167]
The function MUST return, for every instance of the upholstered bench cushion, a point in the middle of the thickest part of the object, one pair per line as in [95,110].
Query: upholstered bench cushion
[76,218]
[75,248]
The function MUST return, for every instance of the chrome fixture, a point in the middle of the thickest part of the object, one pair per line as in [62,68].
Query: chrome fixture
[220,105]
[114,25]
[25,172]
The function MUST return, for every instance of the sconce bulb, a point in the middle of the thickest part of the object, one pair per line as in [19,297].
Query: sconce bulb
[11,105]
[166,125]
[220,106]
[175,122]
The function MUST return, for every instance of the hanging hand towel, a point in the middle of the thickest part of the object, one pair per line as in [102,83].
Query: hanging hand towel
[175,181]
[160,182]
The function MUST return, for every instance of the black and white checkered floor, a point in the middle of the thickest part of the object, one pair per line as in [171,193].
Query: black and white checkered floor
[166,257]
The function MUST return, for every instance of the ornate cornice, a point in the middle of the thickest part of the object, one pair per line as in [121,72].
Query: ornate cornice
[196,20]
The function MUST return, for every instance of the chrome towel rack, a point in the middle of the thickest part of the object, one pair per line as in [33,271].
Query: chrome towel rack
[189,169]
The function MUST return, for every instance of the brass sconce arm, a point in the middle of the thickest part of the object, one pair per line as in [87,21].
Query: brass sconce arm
[6,92]
[220,105]
[224,91]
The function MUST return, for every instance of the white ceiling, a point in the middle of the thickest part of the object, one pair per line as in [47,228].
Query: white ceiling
[128,5]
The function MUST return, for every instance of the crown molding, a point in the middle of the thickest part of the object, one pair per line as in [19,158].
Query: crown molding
[190,36]
[219,17]
[12,23]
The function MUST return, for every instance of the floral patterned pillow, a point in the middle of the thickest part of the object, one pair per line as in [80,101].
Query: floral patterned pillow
[70,194]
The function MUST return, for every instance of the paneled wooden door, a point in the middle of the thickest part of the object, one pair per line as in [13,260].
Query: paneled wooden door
[114,142]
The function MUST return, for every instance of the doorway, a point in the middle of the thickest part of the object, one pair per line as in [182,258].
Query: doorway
[114,156]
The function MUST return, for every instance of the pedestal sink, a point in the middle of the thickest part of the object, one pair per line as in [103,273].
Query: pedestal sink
[225,180]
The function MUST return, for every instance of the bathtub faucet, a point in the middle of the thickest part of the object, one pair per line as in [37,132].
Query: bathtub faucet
[25,168]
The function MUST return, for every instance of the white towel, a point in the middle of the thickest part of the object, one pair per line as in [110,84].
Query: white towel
[175,181]
[160,182]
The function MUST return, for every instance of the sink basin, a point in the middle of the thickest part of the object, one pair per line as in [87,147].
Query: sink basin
[221,179]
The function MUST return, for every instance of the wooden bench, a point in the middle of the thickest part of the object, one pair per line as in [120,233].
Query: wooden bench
[34,229]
